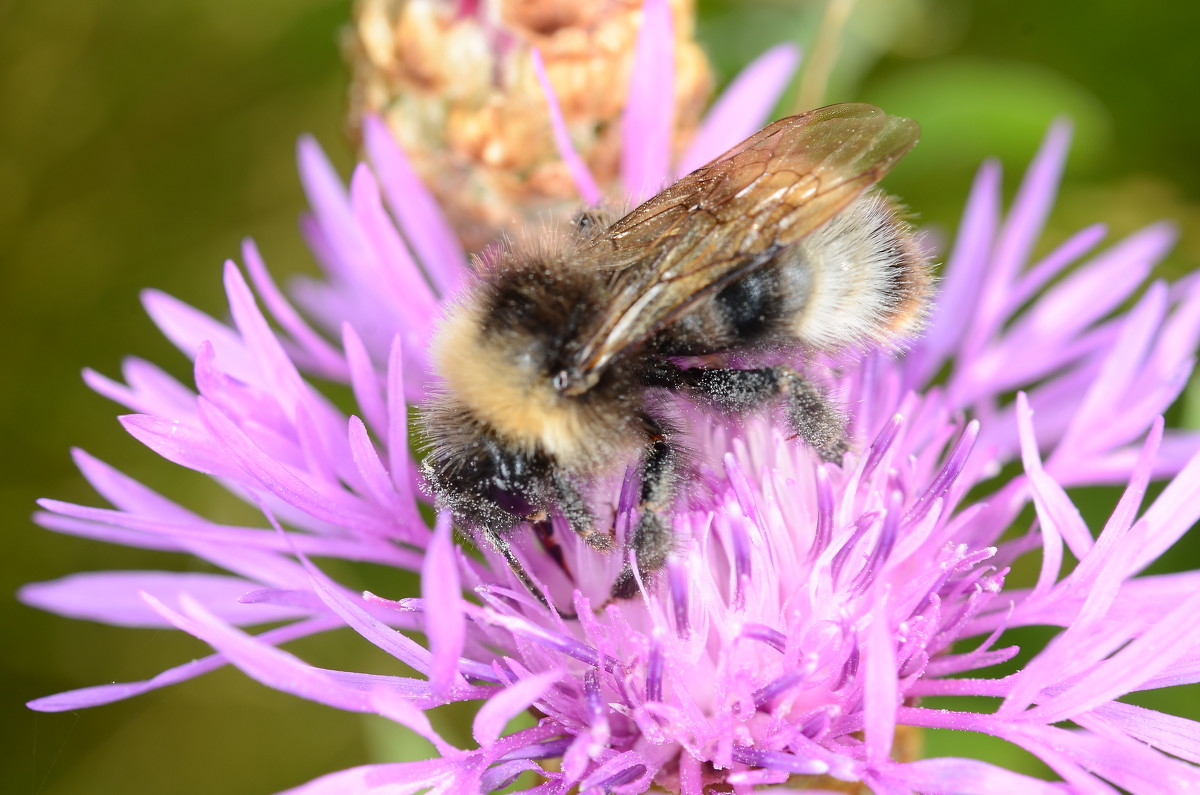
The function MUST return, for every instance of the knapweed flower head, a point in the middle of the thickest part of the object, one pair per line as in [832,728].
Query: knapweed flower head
[457,84]
[809,610]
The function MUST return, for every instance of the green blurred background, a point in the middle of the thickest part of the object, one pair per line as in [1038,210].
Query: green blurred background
[139,142]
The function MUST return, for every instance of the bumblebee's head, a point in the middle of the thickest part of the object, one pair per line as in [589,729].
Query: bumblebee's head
[571,381]
[502,349]
[483,481]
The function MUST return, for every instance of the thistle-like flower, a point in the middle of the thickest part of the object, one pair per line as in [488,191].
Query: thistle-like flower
[457,83]
[810,609]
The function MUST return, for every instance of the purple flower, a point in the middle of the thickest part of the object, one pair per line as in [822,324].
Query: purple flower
[809,608]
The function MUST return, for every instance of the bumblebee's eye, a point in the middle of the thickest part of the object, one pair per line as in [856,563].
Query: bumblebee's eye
[588,222]
[573,383]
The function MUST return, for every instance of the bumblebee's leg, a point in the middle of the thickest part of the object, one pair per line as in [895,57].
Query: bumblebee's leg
[543,529]
[578,515]
[474,509]
[820,423]
[812,415]
[500,543]
[652,538]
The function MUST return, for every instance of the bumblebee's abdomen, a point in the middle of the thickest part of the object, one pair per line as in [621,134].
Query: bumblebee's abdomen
[753,307]
[859,280]
[746,312]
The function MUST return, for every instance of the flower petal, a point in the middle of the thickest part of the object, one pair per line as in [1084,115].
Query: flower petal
[113,597]
[881,694]
[969,777]
[421,220]
[585,183]
[649,117]
[107,694]
[442,590]
[1176,736]
[498,710]
[743,107]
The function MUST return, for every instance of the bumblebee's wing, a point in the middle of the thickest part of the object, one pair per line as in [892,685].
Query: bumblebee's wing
[731,216]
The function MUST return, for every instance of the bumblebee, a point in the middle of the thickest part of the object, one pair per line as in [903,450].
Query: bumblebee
[554,360]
